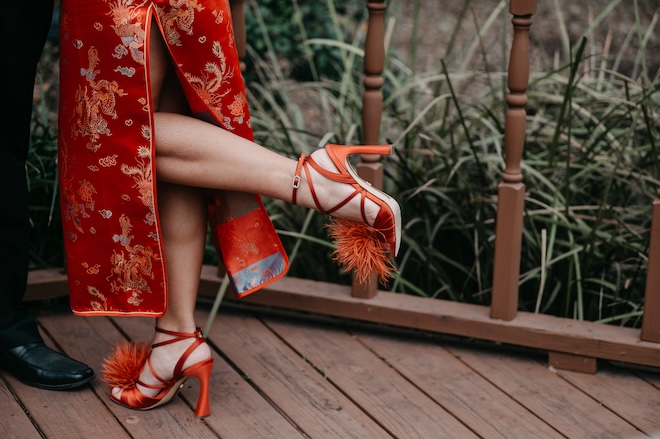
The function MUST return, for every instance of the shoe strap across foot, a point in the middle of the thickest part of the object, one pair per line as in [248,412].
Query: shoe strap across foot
[345,178]
[179,336]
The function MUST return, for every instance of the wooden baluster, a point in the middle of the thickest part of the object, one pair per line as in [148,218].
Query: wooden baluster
[511,191]
[238,21]
[651,320]
[369,167]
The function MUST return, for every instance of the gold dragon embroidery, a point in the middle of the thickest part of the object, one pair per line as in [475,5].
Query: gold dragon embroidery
[74,210]
[178,18]
[130,269]
[129,28]
[94,103]
[142,172]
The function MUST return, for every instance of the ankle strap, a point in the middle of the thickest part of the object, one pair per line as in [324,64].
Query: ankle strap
[296,178]
[179,336]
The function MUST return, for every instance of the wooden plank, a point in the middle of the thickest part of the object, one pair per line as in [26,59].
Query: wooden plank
[488,411]
[90,339]
[576,363]
[46,284]
[651,378]
[651,322]
[629,396]
[237,410]
[72,413]
[527,329]
[14,421]
[402,409]
[541,391]
[536,393]
[508,238]
[299,391]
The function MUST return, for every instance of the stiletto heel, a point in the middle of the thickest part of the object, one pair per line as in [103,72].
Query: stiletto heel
[361,248]
[122,369]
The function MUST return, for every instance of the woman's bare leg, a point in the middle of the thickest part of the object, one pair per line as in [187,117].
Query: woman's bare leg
[195,153]
[182,212]
[183,227]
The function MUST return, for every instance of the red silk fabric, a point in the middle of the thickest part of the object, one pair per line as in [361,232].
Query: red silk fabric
[115,257]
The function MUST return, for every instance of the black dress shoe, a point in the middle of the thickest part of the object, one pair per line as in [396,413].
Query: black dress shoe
[37,365]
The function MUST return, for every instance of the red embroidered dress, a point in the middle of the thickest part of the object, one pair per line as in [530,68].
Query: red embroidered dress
[115,257]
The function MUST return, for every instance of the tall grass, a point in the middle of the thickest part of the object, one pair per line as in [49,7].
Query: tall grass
[46,245]
[590,164]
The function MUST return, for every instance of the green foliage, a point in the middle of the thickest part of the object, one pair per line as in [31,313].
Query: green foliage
[590,169]
[285,28]
[46,245]
[590,164]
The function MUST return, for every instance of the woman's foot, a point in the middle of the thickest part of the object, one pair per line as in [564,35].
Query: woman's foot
[369,224]
[163,361]
[326,182]
[330,193]
[143,379]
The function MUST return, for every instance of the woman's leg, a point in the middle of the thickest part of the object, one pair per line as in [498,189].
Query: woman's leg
[195,153]
[183,226]
[182,212]
[182,209]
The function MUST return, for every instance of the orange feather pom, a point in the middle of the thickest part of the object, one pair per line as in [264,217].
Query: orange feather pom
[360,249]
[124,365]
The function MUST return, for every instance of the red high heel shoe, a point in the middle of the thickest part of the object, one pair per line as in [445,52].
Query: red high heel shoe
[122,369]
[361,248]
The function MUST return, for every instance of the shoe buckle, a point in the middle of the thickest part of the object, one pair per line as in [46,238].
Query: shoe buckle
[296,175]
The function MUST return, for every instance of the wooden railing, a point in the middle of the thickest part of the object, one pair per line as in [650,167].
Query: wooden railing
[511,192]
[369,167]
[576,345]
[571,344]
[651,321]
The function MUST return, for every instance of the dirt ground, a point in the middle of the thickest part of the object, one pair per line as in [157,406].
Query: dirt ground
[438,20]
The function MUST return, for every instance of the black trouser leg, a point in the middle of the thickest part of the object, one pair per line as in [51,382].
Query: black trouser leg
[23,33]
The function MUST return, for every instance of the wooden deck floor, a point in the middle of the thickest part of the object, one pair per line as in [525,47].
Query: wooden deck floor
[294,376]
